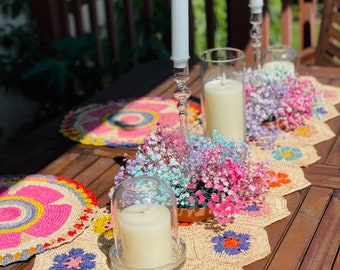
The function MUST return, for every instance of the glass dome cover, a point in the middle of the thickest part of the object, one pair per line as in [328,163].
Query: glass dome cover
[145,226]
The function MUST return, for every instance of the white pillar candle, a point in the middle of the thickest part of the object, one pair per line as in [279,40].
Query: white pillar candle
[224,108]
[145,231]
[272,65]
[180,32]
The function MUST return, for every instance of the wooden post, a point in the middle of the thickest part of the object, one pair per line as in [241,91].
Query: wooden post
[308,10]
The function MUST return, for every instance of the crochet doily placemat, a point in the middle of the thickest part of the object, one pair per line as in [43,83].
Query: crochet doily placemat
[88,251]
[122,123]
[40,212]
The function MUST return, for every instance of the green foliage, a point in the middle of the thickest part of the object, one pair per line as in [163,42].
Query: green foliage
[275,7]
[220,9]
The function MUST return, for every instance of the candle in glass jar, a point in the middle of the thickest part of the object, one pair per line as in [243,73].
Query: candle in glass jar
[272,65]
[146,235]
[224,108]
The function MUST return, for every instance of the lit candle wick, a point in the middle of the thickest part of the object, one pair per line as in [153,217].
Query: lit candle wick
[223,79]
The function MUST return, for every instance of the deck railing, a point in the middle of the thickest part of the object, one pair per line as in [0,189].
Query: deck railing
[53,20]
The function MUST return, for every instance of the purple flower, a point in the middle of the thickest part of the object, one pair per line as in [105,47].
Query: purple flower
[231,242]
[74,260]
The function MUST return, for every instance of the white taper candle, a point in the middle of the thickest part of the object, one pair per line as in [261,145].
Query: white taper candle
[180,32]
[255,6]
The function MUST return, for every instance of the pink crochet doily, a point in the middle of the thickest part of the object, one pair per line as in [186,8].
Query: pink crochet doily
[40,212]
[122,123]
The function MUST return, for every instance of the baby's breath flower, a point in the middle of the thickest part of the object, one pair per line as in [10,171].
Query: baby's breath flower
[215,173]
[276,97]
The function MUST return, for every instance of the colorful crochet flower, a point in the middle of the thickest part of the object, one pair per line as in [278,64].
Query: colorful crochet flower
[278,179]
[327,93]
[28,210]
[103,225]
[305,131]
[287,153]
[256,210]
[75,259]
[231,243]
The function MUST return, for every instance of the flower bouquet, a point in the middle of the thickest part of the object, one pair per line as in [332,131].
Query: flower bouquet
[214,173]
[275,101]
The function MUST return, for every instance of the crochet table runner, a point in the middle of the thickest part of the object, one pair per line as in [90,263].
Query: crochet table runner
[229,246]
[124,122]
[209,244]
[40,212]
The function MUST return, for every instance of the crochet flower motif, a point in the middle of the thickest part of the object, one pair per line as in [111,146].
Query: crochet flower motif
[287,153]
[231,243]
[75,259]
[29,209]
[305,131]
[103,225]
[327,93]
[256,210]
[278,179]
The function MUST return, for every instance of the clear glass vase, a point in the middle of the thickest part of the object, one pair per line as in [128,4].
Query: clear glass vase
[279,56]
[222,95]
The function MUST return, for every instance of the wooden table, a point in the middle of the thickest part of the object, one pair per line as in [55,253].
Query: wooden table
[307,239]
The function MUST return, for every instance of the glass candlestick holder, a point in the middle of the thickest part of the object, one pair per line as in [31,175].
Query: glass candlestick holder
[145,226]
[256,32]
[182,94]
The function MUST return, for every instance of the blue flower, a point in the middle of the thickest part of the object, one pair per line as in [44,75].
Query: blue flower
[75,259]
[231,242]
[287,154]
[319,112]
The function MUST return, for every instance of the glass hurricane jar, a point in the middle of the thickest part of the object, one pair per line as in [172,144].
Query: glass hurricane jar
[145,226]
[222,96]
[279,56]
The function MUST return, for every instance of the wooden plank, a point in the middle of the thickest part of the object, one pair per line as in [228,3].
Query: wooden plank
[325,244]
[78,20]
[302,230]
[323,175]
[211,23]
[277,231]
[323,72]
[333,157]
[102,185]
[59,164]
[90,174]
[286,22]
[337,262]
[111,26]
[95,29]
[307,23]
[103,151]
[76,166]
